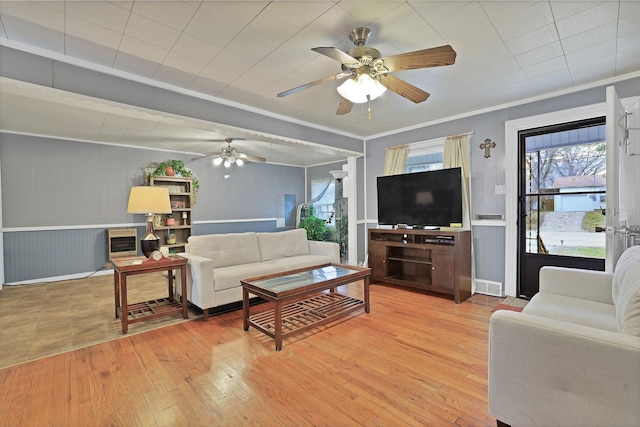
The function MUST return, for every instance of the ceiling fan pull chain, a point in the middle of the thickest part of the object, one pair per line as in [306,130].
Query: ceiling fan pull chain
[369,109]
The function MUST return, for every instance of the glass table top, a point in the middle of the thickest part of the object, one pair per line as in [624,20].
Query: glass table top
[304,278]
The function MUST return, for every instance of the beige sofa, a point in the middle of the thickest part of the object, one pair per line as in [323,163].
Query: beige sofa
[217,262]
[572,356]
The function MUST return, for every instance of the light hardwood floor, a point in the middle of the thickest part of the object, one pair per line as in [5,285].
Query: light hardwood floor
[416,359]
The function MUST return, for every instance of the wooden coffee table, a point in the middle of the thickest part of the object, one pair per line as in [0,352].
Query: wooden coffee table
[299,300]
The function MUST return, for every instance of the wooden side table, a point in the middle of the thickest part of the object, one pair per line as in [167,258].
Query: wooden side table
[139,312]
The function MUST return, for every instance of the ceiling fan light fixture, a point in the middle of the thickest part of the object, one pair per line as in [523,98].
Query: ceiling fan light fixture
[217,161]
[227,163]
[361,89]
[239,162]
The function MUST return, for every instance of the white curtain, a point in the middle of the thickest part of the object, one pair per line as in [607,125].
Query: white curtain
[395,159]
[456,154]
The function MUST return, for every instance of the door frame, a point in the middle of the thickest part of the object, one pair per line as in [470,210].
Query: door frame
[511,130]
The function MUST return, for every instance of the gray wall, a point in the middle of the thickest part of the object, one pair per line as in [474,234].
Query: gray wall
[485,173]
[59,197]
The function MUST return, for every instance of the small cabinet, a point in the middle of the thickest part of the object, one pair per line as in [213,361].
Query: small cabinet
[174,234]
[437,261]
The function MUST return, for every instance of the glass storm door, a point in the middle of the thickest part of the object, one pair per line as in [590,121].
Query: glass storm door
[562,199]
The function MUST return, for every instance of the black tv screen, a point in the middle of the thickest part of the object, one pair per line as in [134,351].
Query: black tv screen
[421,199]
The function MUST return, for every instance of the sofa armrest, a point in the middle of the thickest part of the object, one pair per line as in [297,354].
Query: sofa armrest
[577,283]
[199,280]
[548,372]
[330,249]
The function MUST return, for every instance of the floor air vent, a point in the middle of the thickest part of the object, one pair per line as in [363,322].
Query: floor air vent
[487,287]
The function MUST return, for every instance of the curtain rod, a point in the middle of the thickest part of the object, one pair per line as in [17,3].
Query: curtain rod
[457,135]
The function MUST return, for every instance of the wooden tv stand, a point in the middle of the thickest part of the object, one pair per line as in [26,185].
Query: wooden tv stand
[437,261]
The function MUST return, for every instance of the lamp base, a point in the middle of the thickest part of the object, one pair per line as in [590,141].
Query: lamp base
[148,246]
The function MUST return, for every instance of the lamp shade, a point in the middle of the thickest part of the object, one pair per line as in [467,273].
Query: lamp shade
[146,200]
[356,90]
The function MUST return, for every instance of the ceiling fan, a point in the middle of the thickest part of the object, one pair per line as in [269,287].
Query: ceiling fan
[229,155]
[369,72]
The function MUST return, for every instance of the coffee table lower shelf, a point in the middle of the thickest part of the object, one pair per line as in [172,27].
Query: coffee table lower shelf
[306,314]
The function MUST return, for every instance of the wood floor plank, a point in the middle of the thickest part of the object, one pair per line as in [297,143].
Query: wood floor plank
[416,359]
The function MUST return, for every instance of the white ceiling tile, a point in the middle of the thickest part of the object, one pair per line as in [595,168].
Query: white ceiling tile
[590,18]
[496,10]
[174,14]
[122,4]
[586,39]
[467,20]
[196,48]
[541,54]
[211,29]
[33,13]
[435,10]
[563,9]
[593,52]
[546,67]
[184,63]
[105,14]
[533,40]
[151,32]
[134,47]
[237,13]
[557,80]
[629,42]
[534,17]
[601,68]
[57,5]
[97,34]
[630,62]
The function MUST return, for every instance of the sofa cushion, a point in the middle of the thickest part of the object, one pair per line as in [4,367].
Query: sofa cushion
[283,244]
[300,261]
[625,291]
[573,310]
[226,249]
[229,277]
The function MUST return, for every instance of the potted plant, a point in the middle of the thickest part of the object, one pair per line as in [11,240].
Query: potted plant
[176,168]
[316,227]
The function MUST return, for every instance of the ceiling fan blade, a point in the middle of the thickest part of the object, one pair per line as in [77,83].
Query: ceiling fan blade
[404,88]
[207,155]
[227,140]
[425,58]
[344,107]
[314,83]
[250,158]
[339,56]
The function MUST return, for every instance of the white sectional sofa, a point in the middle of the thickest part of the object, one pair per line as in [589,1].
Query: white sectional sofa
[572,356]
[217,262]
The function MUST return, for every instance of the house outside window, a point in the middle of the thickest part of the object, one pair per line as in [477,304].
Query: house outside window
[425,156]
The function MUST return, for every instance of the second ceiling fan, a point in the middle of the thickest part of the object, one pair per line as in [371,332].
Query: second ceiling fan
[229,155]
[369,72]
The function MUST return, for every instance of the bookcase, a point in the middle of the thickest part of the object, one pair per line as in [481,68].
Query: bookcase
[181,198]
[437,261]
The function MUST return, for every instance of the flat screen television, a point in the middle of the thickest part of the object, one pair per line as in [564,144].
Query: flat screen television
[421,199]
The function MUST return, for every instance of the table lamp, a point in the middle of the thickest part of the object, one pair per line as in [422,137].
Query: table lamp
[149,201]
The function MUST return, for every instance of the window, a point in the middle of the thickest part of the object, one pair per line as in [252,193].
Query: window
[425,156]
[324,206]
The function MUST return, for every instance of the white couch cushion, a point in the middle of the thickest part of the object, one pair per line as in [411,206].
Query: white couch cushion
[229,277]
[573,310]
[283,244]
[226,249]
[625,291]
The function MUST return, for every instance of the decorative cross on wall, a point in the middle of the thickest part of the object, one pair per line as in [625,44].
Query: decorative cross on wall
[487,145]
